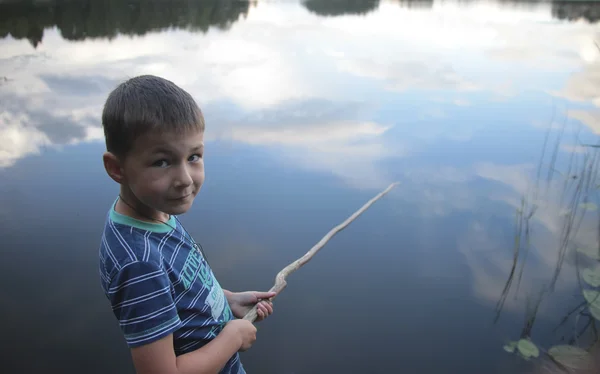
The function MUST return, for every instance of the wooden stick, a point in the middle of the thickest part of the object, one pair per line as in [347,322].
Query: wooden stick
[280,279]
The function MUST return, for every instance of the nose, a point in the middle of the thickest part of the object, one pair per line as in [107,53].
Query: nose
[183,177]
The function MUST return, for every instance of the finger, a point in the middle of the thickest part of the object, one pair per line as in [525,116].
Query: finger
[268,307]
[263,310]
[267,313]
[264,295]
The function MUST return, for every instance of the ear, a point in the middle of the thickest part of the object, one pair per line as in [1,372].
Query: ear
[113,167]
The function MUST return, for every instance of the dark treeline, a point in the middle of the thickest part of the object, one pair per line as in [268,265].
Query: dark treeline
[81,19]
[356,7]
[576,10]
[561,9]
[340,7]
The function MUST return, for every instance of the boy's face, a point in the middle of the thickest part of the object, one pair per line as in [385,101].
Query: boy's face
[165,171]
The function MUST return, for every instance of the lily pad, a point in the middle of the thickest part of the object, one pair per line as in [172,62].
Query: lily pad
[593,253]
[571,357]
[510,347]
[592,297]
[527,348]
[592,276]
[588,206]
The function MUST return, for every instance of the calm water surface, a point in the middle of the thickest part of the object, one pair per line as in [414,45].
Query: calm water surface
[483,110]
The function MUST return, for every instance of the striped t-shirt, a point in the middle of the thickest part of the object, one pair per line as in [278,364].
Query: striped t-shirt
[158,283]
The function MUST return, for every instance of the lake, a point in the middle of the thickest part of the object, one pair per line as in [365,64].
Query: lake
[486,112]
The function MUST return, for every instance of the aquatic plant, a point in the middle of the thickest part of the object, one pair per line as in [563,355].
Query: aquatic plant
[577,196]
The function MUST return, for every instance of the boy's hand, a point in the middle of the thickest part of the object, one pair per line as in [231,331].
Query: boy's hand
[245,330]
[242,302]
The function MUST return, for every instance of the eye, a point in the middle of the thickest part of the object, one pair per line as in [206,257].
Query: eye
[195,157]
[160,163]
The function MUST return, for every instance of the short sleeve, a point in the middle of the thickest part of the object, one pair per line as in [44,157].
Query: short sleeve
[141,300]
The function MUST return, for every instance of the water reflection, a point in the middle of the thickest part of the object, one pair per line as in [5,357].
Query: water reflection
[447,96]
[83,19]
[584,87]
[576,10]
[322,136]
[340,7]
[527,266]
[552,201]
[89,19]
[231,73]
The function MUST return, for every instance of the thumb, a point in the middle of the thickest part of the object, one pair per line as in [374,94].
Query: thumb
[264,295]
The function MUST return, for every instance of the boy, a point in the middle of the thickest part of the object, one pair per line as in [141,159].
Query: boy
[174,315]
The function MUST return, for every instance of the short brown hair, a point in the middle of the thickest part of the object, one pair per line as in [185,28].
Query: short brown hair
[147,103]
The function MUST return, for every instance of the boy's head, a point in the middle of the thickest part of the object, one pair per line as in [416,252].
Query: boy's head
[154,133]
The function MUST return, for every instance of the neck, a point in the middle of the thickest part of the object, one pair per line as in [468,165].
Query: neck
[129,205]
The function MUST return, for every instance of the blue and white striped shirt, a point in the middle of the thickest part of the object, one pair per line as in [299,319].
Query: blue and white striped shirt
[158,284]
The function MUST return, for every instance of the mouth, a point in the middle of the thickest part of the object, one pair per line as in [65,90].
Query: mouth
[182,198]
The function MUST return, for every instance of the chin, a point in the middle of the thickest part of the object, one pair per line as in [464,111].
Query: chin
[178,209]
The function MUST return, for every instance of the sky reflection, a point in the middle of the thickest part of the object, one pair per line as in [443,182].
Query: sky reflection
[347,94]
[281,55]
[313,101]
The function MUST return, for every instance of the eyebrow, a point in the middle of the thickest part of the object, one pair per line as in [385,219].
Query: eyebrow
[169,151]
